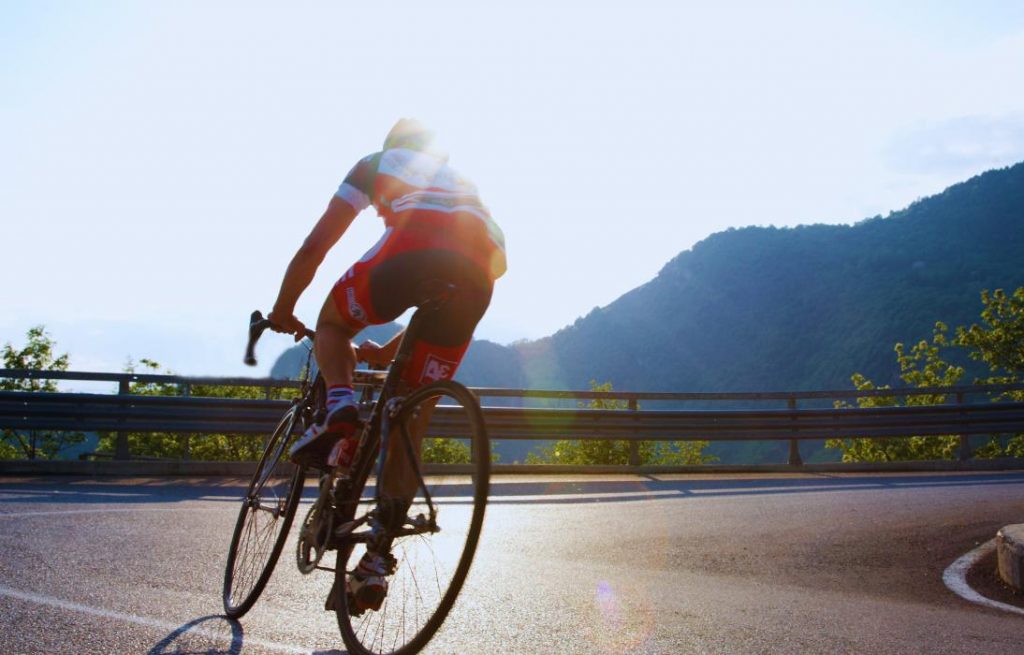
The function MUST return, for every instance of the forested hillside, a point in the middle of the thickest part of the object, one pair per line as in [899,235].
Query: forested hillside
[762,308]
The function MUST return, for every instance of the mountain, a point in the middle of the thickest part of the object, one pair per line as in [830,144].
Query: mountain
[764,308]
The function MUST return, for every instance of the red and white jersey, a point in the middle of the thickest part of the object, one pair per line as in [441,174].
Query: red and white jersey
[420,191]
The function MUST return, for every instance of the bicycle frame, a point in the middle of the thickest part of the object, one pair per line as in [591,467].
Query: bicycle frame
[374,442]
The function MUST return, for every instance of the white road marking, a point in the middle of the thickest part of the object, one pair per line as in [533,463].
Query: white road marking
[955,578]
[57,492]
[108,510]
[788,489]
[144,621]
[593,495]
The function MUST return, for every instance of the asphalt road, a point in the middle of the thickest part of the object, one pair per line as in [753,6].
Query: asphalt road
[673,564]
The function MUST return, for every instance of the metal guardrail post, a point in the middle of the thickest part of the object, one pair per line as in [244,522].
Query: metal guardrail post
[121,450]
[965,441]
[794,444]
[186,445]
[634,446]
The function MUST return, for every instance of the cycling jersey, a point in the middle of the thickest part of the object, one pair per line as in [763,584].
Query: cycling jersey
[419,191]
[436,229]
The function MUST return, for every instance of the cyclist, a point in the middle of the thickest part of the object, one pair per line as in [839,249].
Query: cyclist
[436,229]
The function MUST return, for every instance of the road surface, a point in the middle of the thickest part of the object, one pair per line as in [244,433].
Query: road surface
[814,563]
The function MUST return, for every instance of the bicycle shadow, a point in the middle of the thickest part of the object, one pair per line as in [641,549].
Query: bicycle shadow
[206,635]
[217,634]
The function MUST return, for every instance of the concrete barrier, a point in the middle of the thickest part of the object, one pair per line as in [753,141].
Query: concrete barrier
[1010,553]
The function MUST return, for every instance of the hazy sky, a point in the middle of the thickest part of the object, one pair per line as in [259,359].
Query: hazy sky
[160,162]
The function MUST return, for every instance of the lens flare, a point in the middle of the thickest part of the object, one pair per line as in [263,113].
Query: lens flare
[625,621]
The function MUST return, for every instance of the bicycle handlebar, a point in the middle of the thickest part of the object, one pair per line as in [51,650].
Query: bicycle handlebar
[257,326]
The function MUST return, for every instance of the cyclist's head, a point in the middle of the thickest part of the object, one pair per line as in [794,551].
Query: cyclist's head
[409,133]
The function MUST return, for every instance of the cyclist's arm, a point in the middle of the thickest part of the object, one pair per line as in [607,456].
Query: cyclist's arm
[331,226]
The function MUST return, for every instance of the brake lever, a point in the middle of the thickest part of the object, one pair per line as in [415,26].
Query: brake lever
[257,326]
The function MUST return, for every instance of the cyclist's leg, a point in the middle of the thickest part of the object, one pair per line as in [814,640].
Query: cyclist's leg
[444,338]
[332,440]
[346,311]
[378,289]
[428,363]
[335,354]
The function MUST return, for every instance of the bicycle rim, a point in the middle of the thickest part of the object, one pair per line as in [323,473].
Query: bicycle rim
[263,522]
[431,566]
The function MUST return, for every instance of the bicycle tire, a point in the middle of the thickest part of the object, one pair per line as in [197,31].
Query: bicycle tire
[397,629]
[249,565]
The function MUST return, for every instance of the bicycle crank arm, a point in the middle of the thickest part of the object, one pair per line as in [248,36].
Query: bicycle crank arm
[344,530]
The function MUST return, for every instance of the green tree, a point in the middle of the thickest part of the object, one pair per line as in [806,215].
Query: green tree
[38,355]
[443,450]
[199,447]
[588,452]
[999,342]
[923,366]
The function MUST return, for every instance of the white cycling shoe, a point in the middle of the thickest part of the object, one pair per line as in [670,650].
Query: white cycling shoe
[368,585]
[317,446]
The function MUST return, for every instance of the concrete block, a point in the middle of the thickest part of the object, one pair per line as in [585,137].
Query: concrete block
[1010,553]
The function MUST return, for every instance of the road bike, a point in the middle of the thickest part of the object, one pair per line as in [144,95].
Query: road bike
[429,544]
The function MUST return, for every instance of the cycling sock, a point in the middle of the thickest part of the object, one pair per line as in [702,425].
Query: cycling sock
[339,395]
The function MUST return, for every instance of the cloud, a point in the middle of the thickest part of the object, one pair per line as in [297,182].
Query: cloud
[958,145]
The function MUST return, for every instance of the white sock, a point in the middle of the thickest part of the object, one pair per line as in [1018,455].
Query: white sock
[340,395]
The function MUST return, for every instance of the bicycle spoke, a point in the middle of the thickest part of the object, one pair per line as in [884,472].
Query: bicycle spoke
[263,521]
[433,554]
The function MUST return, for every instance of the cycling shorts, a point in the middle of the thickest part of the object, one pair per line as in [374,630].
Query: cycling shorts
[389,279]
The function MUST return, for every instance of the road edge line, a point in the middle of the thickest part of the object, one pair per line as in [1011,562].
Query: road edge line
[147,622]
[955,577]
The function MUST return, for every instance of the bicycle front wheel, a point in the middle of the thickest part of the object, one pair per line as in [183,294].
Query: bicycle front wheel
[263,521]
[434,548]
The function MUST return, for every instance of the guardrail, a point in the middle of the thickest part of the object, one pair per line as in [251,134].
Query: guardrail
[125,412]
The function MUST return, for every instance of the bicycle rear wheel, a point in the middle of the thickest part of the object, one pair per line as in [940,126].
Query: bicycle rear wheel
[435,547]
[263,521]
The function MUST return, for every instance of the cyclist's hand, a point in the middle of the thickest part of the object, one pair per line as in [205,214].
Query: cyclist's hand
[286,323]
[372,353]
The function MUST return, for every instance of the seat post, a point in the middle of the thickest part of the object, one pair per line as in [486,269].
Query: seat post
[403,355]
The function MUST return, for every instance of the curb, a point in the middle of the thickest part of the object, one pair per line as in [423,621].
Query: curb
[1010,554]
[955,578]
